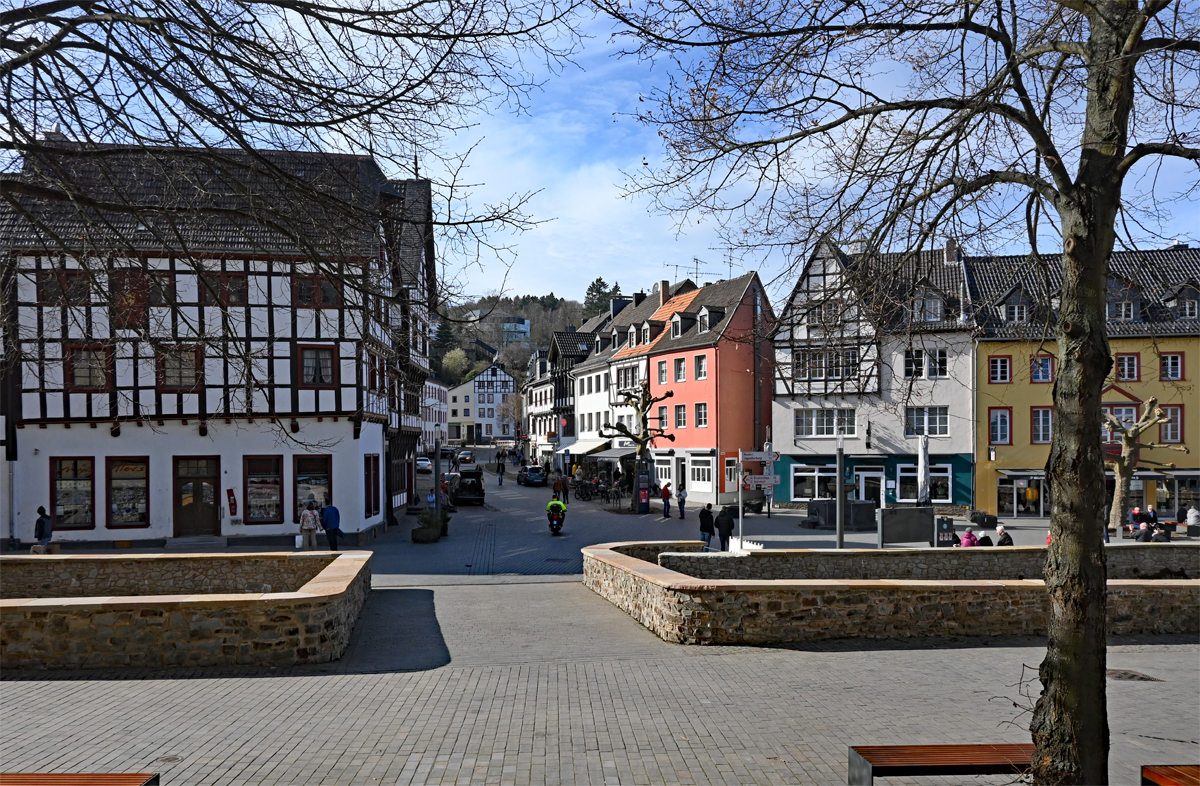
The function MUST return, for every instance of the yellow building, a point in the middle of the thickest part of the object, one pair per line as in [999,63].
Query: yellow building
[1155,342]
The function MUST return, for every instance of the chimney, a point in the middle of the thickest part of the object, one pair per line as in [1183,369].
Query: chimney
[616,304]
[638,297]
[950,253]
[570,328]
[664,292]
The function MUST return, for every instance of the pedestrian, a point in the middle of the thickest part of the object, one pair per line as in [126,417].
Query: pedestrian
[1143,534]
[666,498]
[558,489]
[1150,515]
[431,500]
[310,522]
[682,497]
[331,520]
[1047,537]
[968,539]
[706,525]
[500,473]
[984,539]
[43,529]
[1193,516]
[725,523]
[1003,538]
[1160,535]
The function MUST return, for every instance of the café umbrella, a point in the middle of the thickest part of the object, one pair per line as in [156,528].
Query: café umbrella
[923,471]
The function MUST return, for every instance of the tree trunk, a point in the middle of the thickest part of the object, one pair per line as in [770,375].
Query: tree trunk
[1123,473]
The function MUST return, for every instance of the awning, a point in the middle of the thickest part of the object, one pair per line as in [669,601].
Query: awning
[583,447]
[616,454]
[1034,473]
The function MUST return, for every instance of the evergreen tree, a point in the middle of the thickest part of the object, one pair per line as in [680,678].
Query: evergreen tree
[595,300]
[443,339]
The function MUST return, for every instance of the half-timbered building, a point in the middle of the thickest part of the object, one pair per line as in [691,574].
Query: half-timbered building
[238,337]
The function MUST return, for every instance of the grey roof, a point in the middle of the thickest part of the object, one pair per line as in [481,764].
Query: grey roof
[573,343]
[200,200]
[726,295]
[632,315]
[1155,275]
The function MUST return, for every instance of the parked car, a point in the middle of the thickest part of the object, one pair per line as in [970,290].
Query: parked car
[532,475]
[448,452]
[466,487]
[424,466]
[466,458]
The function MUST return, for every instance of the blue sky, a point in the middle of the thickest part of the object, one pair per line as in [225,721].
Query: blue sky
[575,143]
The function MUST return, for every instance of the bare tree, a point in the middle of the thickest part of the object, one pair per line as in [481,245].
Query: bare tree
[1126,462]
[641,401]
[897,121]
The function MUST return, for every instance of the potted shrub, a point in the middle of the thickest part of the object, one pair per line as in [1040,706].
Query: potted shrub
[428,528]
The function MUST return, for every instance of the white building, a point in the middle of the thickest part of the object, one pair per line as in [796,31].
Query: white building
[435,410]
[460,423]
[493,413]
[541,435]
[160,394]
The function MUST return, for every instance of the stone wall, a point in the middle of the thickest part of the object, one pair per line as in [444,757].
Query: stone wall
[78,576]
[1140,561]
[688,610]
[312,624]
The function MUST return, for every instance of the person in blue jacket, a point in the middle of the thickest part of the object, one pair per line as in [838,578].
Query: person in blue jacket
[331,520]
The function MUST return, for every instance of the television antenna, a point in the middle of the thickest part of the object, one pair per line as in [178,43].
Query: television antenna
[697,263]
[676,266]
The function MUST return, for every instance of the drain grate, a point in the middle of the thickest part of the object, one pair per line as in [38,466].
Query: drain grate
[1130,676]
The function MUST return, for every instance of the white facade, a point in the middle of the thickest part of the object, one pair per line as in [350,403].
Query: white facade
[539,408]
[461,419]
[493,386]
[435,410]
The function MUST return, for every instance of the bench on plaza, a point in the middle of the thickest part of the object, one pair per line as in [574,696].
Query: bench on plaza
[79,779]
[870,761]
[1171,774]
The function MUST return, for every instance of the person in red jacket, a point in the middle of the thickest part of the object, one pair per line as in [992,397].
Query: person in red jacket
[666,498]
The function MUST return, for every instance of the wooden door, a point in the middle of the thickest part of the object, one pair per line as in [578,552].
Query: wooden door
[197,487]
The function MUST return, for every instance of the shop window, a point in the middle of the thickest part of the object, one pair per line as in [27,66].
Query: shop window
[700,475]
[312,481]
[940,483]
[73,493]
[809,483]
[128,492]
[264,489]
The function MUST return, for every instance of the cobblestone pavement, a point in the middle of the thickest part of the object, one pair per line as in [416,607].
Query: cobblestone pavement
[458,674]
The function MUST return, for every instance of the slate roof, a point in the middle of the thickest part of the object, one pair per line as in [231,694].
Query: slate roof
[1156,274]
[633,315]
[726,295]
[201,200]
[573,343]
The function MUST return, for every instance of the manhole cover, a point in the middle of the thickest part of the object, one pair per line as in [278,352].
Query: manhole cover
[1131,676]
[169,759]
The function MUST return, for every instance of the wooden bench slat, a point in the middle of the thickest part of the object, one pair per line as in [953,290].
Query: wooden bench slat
[868,761]
[1171,774]
[79,779]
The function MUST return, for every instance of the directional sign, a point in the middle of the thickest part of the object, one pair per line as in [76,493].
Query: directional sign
[762,455]
[766,480]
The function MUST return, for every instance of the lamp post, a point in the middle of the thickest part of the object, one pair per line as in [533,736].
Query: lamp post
[840,502]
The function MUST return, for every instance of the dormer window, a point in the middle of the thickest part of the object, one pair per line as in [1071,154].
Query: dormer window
[1189,309]
[616,339]
[676,327]
[1121,311]
[633,337]
[646,334]
[927,309]
[704,322]
[1016,312]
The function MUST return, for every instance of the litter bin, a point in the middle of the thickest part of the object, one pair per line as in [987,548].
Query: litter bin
[944,532]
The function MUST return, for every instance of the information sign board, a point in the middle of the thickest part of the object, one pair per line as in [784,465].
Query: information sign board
[766,480]
[761,455]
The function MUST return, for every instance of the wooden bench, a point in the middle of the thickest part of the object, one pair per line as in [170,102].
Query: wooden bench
[1171,774]
[869,761]
[79,779]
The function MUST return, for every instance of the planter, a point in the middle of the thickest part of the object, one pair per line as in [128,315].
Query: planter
[426,534]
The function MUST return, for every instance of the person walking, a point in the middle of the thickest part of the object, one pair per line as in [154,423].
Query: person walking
[681,495]
[725,524]
[1003,539]
[706,525]
[666,498]
[331,520]
[310,522]
[558,489]
[500,473]
[43,529]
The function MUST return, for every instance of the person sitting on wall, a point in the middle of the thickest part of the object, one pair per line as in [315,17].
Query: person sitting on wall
[1160,535]
[1149,515]
[984,539]
[1193,516]
[1143,534]
[968,539]
[1003,538]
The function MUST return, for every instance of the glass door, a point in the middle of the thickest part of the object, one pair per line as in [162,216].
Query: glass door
[870,486]
[196,512]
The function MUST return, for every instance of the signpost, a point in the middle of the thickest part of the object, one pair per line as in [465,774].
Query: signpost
[760,480]
[766,456]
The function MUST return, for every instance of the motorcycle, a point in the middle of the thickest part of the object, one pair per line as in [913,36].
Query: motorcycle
[557,518]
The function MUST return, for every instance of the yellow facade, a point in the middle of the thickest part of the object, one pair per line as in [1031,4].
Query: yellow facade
[1009,467]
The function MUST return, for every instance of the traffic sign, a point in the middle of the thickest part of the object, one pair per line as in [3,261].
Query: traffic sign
[766,480]
[761,455]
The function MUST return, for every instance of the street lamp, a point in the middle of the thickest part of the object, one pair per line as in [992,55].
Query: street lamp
[840,502]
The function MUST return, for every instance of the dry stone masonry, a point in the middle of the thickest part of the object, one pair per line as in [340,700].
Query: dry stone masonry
[755,609]
[304,621]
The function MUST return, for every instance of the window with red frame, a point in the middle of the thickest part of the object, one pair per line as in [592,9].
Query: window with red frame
[999,370]
[1172,430]
[1128,415]
[317,292]
[1041,424]
[371,481]
[88,369]
[64,288]
[1000,426]
[317,367]
[128,492]
[1041,369]
[179,368]
[73,492]
[1128,368]
[1171,366]
[134,291]
[223,289]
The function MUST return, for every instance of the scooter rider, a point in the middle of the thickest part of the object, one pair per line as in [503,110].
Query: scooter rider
[555,507]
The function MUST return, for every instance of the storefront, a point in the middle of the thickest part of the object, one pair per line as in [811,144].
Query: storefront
[1022,493]
[885,480]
